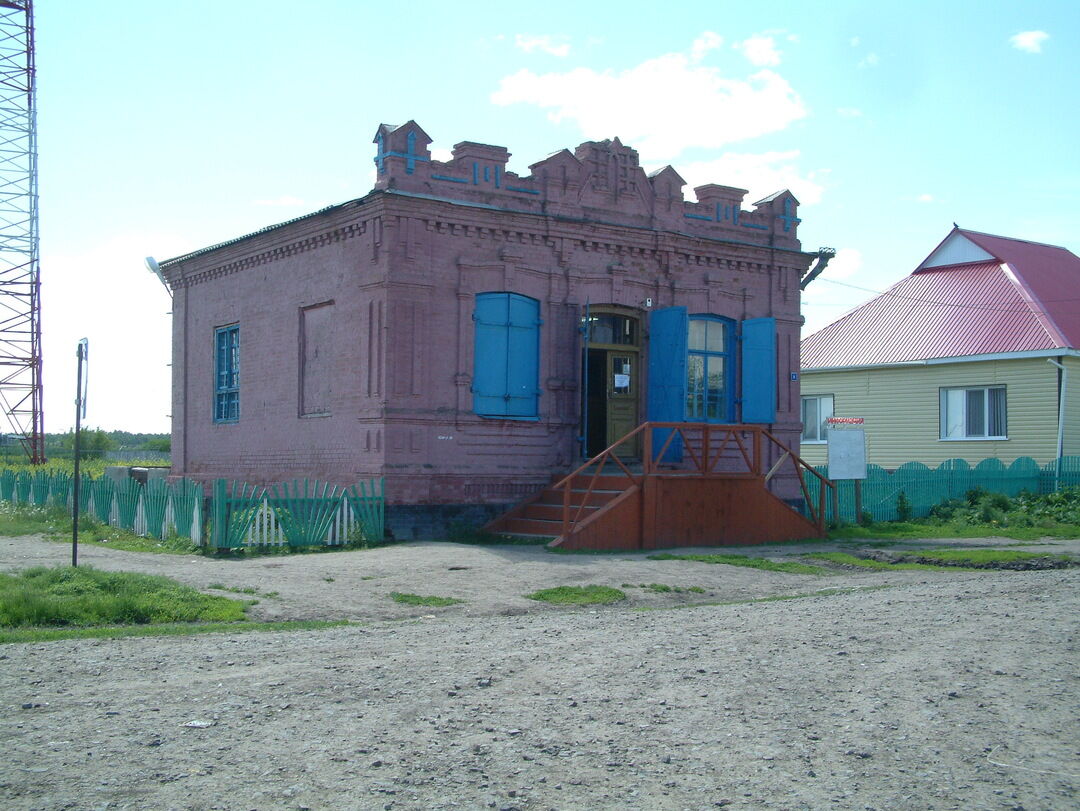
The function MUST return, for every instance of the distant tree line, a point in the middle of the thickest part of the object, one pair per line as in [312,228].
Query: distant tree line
[96,441]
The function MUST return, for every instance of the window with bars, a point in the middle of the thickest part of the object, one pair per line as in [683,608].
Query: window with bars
[227,374]
[974,412]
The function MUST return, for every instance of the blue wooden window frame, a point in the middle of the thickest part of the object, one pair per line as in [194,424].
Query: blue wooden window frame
[506,357]
[227,373]
[720,402]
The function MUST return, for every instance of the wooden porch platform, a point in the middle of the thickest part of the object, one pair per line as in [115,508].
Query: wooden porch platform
[697,485]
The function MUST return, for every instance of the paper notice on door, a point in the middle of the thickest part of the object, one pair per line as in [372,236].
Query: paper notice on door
[622,381]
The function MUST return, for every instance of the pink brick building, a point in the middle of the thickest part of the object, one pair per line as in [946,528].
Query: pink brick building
[466,332]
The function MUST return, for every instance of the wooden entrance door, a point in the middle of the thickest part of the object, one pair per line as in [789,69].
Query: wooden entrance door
[612,379]
[622,398]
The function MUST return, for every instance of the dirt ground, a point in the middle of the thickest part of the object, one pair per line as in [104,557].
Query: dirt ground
[911,689]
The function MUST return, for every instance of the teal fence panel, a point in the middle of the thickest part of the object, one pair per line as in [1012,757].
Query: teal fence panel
[7,485]
[233,508]
[367,503]
[86,492]
[60,488]
[128,492]
[104,492]
[155,503]
[305,509]
[185,497]
[1023,475]
[39,487]
[23,483]
[1061,473]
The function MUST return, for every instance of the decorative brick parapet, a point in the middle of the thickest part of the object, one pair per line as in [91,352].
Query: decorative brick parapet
[600,181]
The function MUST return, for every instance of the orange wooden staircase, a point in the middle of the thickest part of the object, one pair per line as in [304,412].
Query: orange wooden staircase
[697,485]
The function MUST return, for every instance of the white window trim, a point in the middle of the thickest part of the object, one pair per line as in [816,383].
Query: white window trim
[942,412]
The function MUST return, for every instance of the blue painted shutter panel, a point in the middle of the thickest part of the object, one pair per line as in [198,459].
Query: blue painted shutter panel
[489,363]
[666,399]
[506,368]
[523,356]
[759,370]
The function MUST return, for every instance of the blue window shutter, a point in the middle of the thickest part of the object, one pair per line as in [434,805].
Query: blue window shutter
[523,357]
[759,370]
[506,365]
[665,400]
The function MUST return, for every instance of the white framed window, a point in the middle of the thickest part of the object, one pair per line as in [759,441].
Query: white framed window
[973,412]
[816,409]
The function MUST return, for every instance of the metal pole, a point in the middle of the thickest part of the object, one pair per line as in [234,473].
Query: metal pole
[80,405]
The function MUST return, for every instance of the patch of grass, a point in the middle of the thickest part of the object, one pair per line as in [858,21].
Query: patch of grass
[55,524]
[661,588]
[172,629]
[66,596]
[419,599]
[243,590]
[844,559]
[916,529]
[984,556]
[771,599]
[578,595]
[788,566]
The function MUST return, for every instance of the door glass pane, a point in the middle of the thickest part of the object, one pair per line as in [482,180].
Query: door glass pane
[976,412]
[953,402]
[810,419]
[698,334]
[715,397]
[715,336]
[997,412]
[825,411]
[695,387]
[612,329]
[621,374]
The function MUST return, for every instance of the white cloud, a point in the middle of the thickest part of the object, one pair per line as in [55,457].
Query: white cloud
[661,106]
[760,50]
[925,198]
[702,45]
[855,42]
[869,61]
[849,112]
[555,46]
[441,153]
[1030,41]
[284,200]
[762,174]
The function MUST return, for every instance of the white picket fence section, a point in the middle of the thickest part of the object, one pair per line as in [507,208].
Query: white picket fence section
[266,530]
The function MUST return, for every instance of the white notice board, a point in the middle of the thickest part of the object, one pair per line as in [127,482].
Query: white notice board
[847,453]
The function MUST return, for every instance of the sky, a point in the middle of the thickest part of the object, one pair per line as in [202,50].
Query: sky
[167,127]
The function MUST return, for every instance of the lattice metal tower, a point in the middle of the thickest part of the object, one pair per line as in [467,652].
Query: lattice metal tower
[20,283]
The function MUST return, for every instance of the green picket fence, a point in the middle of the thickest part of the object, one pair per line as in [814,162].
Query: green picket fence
[303,512]
[923,487]
[299,513]
[157,509]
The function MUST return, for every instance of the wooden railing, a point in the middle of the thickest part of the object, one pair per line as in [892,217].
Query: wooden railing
[695,449]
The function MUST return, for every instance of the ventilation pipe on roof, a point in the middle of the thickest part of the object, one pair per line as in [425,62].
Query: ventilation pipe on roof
[1063,387]
[823,257]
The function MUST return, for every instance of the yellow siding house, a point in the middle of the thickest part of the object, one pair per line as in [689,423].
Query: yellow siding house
[973,356]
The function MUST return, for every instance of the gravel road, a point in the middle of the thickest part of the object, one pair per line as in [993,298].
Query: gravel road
[896,690]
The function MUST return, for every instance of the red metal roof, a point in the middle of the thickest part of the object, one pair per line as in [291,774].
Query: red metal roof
[1027,300]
